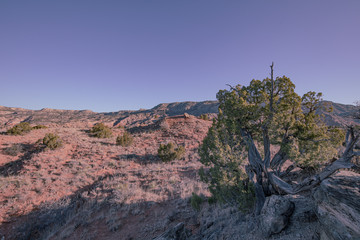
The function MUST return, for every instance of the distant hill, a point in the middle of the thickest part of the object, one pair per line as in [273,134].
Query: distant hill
[192,108]
[340,116]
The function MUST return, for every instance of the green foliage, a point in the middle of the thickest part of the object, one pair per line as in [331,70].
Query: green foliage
[20,129]
[204,117]
[125,140]
[169,152]
[196,201]
[52,141]
[100,130]
[245,111]
[39,127]
[293,123]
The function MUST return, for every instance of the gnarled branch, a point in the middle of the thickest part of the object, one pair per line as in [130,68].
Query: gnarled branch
[309,183]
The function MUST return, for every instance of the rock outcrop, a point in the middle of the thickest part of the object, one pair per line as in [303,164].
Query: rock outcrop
[275,214]
[338,206]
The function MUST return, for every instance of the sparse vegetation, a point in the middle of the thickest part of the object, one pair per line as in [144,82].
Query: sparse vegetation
[125,140]
[39,127]
[20,129]
[52,141]
[100,130]
[196,201]
[204,117]
[169,152]
[108,180]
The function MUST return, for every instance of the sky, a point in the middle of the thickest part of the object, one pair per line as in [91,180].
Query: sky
[111,55]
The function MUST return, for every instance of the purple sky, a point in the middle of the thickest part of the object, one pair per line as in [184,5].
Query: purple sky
[110,55]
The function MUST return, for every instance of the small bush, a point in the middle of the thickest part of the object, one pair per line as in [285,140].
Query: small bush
[20,129]
[100,130]
[164,125]
[196,201]
[39,127]
[169,152]
[204,117]
[14,150]
[125,140]
[52,141]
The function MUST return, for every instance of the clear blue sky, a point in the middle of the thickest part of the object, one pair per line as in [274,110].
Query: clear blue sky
[110,55]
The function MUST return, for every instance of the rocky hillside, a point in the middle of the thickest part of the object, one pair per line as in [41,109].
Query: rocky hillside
[340,116]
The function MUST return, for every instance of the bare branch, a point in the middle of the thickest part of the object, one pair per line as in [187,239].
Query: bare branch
[278,160]
[260,198]
[231,87]
[309,183]
[280,185]
[280,157]
[350,143]
[288,170]
[265,126]
[266,148]
[253,154]
[272,87]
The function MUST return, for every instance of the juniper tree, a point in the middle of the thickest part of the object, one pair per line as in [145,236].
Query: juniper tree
[267,115]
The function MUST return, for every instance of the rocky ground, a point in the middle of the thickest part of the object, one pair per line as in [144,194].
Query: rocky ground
[92,188]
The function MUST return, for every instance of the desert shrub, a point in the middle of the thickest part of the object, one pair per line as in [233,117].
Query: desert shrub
[39,127]
[14,150]
[52,141]
[169,152]
[100,130]
[125,140]
[164,125]
[20,129]
[196,201]
[204,117]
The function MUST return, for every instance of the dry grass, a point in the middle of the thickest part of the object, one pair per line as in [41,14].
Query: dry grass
[103,188]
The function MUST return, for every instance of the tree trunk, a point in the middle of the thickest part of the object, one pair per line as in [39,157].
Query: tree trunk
[266,179]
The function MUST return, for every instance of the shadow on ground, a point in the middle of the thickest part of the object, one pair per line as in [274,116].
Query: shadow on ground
[79,216]
[140,159]
[15,167]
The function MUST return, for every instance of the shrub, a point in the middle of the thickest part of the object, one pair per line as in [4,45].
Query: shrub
[20,129]
[164,125]
[14,150]
[196,201]
[52,141]
[39,127]
[204,117]
[125,140]
[169,152]
[100,130]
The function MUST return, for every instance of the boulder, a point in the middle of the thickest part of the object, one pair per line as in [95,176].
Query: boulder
[338,206]
[275,214]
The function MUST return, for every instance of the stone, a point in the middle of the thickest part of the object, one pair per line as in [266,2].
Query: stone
[275,214]
[338,206]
